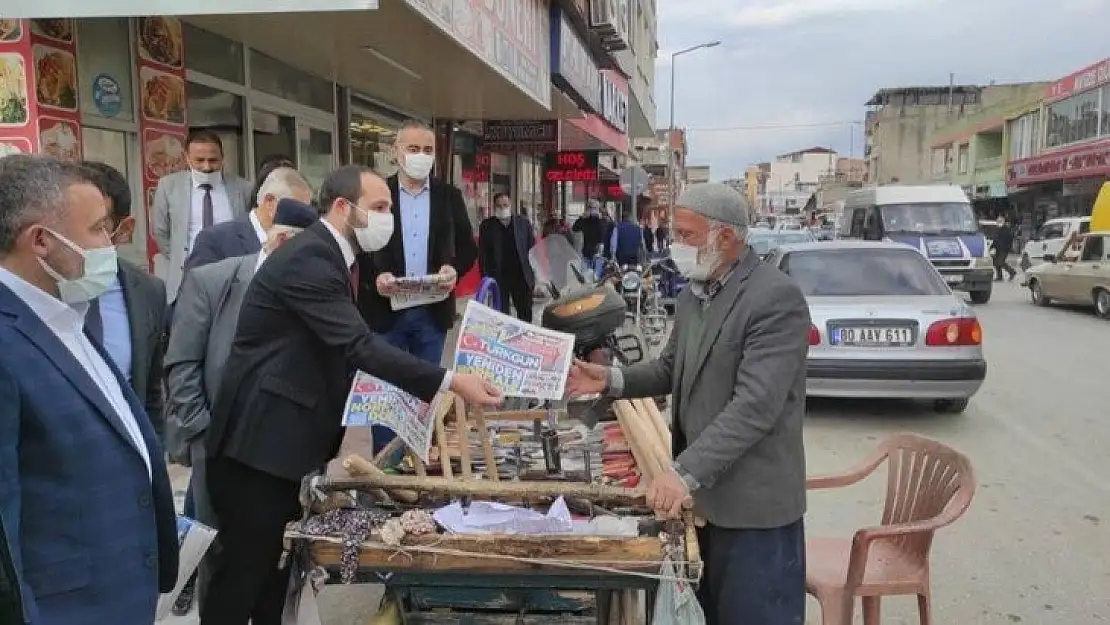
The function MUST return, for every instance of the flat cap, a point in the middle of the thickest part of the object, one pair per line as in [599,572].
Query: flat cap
[716,201]
[294,214]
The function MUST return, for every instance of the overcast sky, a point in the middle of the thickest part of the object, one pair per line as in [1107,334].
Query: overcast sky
[815,61]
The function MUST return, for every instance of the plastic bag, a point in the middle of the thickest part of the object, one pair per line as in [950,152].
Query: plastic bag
[300,599]
[194,539]
[675,602]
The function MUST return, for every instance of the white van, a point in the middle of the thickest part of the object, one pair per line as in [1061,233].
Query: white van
[1051,239]
[937,220]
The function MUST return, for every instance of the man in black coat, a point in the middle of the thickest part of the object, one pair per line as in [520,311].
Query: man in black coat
[277,415]
[504,241]
[1003,242]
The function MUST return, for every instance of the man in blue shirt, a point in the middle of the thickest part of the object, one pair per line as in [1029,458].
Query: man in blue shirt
[627,240]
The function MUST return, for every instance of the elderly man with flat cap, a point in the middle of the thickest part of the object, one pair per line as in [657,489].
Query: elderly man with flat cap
[735,367]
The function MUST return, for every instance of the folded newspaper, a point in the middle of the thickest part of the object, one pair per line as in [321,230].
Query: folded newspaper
[195,538]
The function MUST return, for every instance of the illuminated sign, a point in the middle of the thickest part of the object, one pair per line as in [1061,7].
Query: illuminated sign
[571,166]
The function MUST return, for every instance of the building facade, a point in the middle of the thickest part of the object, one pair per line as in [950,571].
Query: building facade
[697,174]
[127,90]
[791,179]
[1059,152]
[664,158]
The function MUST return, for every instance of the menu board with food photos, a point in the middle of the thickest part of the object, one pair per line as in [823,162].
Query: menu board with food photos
[38,88]
[163,123]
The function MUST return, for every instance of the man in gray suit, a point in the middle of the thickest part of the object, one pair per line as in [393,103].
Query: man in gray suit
[203,329]
[189,201]
[735,368]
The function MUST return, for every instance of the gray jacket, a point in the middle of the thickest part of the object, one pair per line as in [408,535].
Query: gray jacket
[204,323]
[172,207]
[739,413]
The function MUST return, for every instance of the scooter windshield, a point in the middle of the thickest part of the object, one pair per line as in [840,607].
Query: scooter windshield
[555,262]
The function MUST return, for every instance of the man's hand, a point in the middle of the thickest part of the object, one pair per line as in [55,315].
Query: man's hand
[449,277]
[586,379]
[668,495]
[387,284]
[475,391]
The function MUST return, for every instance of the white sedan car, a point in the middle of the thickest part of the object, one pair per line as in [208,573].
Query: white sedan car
[885,324]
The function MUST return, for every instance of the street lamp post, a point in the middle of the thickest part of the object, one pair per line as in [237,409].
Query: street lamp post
[670,132]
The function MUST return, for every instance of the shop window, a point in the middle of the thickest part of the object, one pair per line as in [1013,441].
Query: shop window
[1104,113]
[317,157]
[222,113]
[211,54]
[1074,119]
[271,76]
[372,137]
[104,68]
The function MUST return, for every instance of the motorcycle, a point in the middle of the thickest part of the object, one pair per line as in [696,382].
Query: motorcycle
[640,288]
[582,305]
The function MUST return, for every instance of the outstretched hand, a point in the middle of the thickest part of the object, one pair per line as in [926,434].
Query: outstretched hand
[586,378]
[476,391]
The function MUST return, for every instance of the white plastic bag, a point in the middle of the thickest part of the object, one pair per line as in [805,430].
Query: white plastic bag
[194,539]
[675,602]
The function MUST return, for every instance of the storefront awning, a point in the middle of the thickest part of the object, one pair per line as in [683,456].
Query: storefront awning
[591,133]
[1085,161]
[143,8]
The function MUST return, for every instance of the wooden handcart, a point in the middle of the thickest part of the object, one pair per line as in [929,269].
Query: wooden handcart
[485,579]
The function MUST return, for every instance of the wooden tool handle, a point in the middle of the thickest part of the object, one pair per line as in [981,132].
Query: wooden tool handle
[487,489]
[357,466]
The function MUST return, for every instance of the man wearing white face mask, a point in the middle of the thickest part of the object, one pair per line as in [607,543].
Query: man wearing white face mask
[432,235]
[277,413]
[78,455]
[735,369]
[188,201]
[503,242]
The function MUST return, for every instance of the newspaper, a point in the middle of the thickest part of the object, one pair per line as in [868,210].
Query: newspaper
[377,402]
[194,539]
[520,359]
[486,517]
[418,291]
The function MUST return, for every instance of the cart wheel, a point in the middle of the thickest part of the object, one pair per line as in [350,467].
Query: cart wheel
[489,294]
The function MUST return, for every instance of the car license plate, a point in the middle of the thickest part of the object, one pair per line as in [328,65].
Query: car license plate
[954,278]
[873,337]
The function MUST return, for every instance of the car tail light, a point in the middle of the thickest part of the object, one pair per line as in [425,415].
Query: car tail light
[957,332]
[814,335]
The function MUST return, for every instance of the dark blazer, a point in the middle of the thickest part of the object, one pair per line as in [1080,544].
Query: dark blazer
[93,536]
[224,240]
[450,242]
[145,296]
[299,341]
[490,252]
[11,599]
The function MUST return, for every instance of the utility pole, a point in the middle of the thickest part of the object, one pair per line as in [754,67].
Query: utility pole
[671,183]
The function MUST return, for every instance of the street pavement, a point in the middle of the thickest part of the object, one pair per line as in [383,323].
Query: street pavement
[1033,547]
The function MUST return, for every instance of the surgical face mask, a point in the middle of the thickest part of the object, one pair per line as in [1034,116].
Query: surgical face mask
[504,214]
[377,233]
[100,267]
[696,263]
[418,166]
[205,177]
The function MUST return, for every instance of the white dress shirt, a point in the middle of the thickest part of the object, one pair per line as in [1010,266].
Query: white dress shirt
[68,324]
[221,208]
[349,258]
[259,231]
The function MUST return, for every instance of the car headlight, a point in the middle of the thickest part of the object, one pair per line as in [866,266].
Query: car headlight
[630,281]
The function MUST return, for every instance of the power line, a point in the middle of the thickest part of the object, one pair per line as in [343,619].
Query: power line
[776,126]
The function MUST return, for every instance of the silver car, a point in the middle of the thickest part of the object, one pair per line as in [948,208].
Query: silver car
[885,324]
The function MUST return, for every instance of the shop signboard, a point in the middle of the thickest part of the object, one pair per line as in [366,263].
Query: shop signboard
[136,8]
[1084,80]
[1086,161]
[514,135]
[162,102]
[572,66]
[571,166]
[614,99]
[38,76]
[512,37]
[612,20]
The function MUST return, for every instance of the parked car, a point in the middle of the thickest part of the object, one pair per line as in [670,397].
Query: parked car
[885,324]
[1052,239]
[763,241]
[1082,281]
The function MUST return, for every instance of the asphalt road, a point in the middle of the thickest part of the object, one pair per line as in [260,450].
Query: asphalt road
[1034,546]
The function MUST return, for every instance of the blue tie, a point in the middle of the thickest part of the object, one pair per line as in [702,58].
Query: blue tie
[94,323]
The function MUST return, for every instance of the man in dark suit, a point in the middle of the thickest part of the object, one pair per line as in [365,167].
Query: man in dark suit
[503,244]
[433,235]
[246,235]
[277,415]
[129,319]
[85,500]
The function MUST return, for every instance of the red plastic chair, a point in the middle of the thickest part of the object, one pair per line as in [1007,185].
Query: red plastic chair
[929,486]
